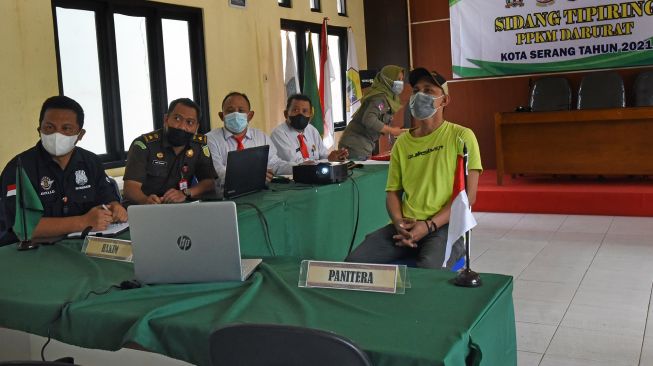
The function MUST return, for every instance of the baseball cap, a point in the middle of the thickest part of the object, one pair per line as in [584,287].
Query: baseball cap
[422,73]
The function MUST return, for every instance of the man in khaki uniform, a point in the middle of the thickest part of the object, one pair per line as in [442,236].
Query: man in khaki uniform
[161,164]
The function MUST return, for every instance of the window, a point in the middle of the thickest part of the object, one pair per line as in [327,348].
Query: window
[342,7]
[315,5]
[284,3]
[337,41]
[124,63]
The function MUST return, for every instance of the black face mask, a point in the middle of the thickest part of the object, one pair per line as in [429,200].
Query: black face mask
[299,122]
[177,137]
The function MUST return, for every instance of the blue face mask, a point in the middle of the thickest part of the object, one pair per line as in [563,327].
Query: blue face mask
[421,105]
[235,122]
[397,86]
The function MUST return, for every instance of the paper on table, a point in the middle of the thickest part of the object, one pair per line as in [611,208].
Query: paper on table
[113,229]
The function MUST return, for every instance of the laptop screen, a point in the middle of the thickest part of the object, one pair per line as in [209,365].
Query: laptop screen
[246,171]
[185,243]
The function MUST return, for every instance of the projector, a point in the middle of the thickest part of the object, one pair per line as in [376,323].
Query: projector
[321,173]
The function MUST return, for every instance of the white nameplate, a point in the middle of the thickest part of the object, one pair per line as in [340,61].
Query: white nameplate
[352,276]
[108,248]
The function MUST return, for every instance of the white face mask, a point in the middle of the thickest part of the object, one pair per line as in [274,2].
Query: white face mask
[58,144]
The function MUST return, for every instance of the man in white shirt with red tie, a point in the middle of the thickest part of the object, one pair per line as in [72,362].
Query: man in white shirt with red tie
[296,140]
[237,135]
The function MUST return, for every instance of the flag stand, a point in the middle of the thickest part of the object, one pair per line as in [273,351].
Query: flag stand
[466,277]
[25,243]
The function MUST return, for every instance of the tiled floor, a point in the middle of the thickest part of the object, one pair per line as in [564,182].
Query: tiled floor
[582,289]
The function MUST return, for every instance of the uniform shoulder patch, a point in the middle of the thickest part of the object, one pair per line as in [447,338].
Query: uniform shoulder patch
[140,144]
[199,138]
[151,137]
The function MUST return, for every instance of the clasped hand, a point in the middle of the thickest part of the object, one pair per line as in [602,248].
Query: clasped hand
[409,232]
[172,195]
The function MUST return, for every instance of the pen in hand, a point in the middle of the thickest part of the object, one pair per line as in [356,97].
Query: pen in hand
[107,208]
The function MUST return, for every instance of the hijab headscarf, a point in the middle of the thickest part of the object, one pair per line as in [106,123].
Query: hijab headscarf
[382,84]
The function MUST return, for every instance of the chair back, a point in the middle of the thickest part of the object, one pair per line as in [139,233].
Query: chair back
[115,186]
[550,94]
[281,345]
[644,89]
[601,90]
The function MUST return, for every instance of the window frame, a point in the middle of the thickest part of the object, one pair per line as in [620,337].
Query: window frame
[318,6]
[108,63]
[300,27]
[343,4]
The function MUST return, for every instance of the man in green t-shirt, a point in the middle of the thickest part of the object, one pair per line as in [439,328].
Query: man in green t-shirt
[420,182]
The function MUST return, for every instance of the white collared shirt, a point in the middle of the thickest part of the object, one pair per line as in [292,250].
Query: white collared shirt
[220,142]
[285,140]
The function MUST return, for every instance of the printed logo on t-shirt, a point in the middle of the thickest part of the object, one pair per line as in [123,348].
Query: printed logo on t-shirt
[80,177]
[46,183]
[81,180]
[425,152]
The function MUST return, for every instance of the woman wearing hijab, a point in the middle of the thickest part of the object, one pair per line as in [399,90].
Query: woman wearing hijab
[372,119]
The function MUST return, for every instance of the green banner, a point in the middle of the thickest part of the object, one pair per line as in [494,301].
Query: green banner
[507,37]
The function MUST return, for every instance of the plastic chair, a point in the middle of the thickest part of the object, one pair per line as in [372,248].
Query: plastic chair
[550,94]
[644,89]
[116,189]
[277,345]
[601,90]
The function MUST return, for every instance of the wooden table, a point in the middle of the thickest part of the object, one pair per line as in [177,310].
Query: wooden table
[616,141]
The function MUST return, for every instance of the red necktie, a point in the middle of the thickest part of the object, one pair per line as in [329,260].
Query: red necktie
[302,146]
[239,141]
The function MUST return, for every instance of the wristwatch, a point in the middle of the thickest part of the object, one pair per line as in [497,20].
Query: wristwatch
[186,193]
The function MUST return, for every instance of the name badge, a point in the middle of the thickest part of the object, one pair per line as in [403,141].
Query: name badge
[183,184]
[354,276]
[108,248]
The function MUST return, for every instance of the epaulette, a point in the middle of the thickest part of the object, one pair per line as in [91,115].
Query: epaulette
[151,137]
[200,139]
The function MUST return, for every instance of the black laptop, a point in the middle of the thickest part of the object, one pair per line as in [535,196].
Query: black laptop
[246,171]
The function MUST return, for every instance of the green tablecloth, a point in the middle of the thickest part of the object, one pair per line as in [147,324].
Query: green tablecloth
[299,216]
[434,323]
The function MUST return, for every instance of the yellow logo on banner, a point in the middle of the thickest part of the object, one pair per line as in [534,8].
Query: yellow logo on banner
[354,91]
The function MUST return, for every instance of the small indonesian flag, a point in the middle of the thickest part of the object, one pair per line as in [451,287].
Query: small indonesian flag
[11,190]
[461,219]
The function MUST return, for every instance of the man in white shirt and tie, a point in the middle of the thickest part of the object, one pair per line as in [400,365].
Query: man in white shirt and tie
[237,135]
[296,140]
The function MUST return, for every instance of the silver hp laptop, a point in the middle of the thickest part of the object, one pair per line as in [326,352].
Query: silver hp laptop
[246,171]
[186,243]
